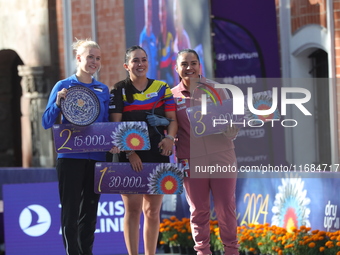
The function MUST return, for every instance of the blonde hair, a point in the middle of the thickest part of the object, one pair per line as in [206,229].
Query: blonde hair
[79,46]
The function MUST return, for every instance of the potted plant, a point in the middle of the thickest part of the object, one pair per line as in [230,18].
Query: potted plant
[168,235]
[216,244]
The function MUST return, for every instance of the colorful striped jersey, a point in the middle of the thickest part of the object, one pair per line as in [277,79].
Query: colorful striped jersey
[156,95]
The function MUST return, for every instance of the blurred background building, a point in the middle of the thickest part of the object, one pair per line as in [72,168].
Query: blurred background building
[35,50]
[262,44]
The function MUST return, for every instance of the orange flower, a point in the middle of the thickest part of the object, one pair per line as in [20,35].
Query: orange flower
[294,229]
[214,222]
[311,245]
[328,243]
[173,218]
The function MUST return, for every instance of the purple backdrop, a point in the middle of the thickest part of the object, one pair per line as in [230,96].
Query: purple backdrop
[245,44]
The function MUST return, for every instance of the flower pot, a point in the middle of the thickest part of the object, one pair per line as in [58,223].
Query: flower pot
[219,252]
[191,250]
[174,249]
[182,250]
[187,250]
[165,248]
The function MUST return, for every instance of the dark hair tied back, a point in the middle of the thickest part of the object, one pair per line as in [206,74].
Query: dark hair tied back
[127,81]
[187,51]
[131,49]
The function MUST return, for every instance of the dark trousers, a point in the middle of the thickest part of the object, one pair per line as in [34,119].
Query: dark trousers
[79,204]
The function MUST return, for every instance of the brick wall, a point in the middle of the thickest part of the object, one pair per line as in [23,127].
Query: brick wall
[81,19]
[60,25]
[111,37]
[336,6]
[304,12]
[110,34]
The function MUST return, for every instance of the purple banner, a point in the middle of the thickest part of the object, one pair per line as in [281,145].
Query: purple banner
[32,221]
[253,45]
[101,136]
[290,201]
[246,54]
[155,178]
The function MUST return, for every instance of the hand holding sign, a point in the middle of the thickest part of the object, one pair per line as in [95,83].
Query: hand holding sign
[101,136]
[231,132]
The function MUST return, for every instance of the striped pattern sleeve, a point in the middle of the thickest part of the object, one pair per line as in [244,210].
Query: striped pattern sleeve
[146,100]
[169,101]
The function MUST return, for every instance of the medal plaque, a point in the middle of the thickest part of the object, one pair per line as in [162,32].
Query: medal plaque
[80,106]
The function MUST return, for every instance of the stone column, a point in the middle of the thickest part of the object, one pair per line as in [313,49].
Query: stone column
[37,144]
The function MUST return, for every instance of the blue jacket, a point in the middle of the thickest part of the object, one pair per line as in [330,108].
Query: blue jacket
[52,111]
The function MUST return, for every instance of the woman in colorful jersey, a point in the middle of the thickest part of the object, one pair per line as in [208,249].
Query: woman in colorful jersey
[78,201]
[204,151]
[131,99]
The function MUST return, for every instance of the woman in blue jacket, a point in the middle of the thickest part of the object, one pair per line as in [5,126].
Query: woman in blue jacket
[76,170]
